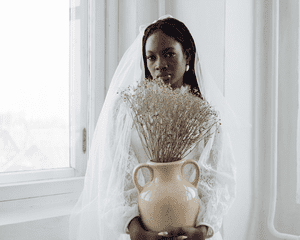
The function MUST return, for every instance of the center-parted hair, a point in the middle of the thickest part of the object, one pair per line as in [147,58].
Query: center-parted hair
[179,32]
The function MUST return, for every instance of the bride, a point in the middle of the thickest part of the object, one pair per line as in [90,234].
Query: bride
[108,205]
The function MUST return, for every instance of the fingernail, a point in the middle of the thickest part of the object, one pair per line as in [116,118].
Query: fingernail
[183,237]
[163,233]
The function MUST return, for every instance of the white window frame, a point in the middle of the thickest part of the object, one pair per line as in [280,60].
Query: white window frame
[53,192]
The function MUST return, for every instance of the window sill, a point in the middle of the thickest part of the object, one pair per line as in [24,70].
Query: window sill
[28,215]
[35,189]
[38,200]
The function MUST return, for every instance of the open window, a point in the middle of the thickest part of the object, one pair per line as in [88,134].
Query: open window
[45,102]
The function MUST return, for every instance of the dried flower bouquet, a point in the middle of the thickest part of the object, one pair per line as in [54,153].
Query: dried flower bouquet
[169,122]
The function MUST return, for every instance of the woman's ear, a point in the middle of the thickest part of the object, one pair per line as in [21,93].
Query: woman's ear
[188,55]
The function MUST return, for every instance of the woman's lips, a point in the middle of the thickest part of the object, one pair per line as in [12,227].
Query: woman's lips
[165,77]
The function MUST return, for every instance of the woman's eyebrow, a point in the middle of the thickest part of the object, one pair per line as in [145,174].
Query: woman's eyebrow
[165,50]
[169,48]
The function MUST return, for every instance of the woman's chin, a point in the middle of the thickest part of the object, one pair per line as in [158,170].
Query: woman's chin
[176,85]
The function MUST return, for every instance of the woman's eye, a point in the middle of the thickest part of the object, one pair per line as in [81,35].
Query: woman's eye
[170,54]
[150,58]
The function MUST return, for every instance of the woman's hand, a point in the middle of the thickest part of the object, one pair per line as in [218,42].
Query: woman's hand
[137,231]
[146,235]
[187,233]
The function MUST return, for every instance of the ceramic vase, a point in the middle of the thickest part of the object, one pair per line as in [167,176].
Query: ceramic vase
[168,199]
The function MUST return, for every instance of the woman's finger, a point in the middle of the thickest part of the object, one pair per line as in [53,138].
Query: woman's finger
[182,237]
[175,231]
[164,234]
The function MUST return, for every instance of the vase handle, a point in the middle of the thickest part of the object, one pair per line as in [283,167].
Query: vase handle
[197,177]
[135,171]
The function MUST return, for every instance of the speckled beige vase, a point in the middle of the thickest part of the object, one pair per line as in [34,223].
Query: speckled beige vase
[168,199]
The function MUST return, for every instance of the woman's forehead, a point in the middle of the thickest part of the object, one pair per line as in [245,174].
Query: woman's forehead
[161,42]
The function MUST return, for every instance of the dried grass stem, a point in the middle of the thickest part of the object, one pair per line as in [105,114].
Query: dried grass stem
[169,122]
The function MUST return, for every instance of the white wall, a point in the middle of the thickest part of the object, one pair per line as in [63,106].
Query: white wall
[239,92]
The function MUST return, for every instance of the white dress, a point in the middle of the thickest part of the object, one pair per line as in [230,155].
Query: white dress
[109,198]
[216,187]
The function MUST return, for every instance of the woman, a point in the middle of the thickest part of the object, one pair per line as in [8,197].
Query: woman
[108,207]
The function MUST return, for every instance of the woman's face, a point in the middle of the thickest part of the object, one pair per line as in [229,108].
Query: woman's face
[165,59]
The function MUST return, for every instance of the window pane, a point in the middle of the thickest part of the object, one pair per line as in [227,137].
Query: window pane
[34,89]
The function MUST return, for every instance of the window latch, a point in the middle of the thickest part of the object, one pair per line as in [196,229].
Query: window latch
[84,140]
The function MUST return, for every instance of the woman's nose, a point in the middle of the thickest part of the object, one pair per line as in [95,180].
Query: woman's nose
[161,63]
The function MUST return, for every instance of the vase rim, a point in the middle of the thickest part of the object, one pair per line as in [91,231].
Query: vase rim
[173,162]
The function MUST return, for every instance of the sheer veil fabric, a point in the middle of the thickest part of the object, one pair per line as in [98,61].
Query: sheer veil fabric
[108,201]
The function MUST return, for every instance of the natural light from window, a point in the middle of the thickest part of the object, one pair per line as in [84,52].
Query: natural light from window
[34,89]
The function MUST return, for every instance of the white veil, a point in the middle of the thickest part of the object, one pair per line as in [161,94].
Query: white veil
[103,206]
